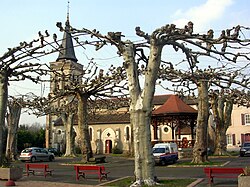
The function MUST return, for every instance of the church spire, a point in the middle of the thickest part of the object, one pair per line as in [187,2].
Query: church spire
[67,52]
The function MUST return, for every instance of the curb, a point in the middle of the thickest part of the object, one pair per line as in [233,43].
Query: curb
[198,181]
[108,182]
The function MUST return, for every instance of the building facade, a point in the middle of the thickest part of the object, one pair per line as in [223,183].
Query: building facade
[239,131]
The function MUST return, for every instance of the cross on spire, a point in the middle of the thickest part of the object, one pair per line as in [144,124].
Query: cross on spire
[67,52]
[68,11]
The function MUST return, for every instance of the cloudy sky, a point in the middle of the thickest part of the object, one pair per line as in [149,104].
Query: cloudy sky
[22,19]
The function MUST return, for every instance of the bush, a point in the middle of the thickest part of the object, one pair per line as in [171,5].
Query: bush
[78,150]
[116,150]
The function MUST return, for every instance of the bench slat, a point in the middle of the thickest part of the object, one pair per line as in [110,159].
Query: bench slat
[82,170]
[42,168]
[222,173]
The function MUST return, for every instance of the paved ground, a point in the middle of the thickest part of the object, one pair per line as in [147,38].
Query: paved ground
[64,174]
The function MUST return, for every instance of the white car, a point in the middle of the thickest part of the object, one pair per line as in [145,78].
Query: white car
[34,154]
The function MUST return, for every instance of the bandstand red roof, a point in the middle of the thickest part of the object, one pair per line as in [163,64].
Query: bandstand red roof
[174,106]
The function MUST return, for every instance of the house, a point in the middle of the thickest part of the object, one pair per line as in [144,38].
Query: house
[239,130]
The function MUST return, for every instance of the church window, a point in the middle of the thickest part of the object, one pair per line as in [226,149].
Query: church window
[127,133]
[90,134]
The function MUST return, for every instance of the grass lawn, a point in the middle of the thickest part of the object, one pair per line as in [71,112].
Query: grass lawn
[126,182]
[188,163]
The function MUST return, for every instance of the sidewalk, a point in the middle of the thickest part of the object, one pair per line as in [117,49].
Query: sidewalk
[26,183]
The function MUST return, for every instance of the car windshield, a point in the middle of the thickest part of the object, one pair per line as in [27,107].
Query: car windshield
[246,145]
[26,150]
[159,150]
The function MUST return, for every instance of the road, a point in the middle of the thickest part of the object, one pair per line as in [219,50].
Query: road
[121,167]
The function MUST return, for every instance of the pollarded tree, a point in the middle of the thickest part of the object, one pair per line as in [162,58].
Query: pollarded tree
[84,88]
[212,78]
[58,106]
[228,63]
[13,116]
[141,95]
[20,63]
[222,103]
[76,97]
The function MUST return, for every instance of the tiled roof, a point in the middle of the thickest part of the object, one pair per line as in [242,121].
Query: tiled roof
[174,105]
[110,118]
[101,119]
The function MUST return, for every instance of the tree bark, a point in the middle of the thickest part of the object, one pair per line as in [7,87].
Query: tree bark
[140,112]
[70,138]
[227,118]
[84,138]
[12,120]
[222,110]
[3,108]
[200,146]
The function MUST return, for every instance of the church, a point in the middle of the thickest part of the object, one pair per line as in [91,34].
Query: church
[173,118]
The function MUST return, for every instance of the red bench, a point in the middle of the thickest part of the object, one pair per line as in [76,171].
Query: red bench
[82,170]
[38,168]
[212,173]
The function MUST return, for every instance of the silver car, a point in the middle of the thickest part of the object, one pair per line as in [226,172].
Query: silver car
[33,154]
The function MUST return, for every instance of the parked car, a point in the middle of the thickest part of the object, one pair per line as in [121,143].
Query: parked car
[165,153]
[33,154]
[245,149]
[55,151]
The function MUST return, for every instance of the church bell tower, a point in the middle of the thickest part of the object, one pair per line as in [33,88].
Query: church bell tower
[64,69]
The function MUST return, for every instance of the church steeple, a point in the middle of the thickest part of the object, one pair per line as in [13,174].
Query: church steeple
[67,52]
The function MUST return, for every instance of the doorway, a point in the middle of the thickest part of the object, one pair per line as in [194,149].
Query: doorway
[108,146]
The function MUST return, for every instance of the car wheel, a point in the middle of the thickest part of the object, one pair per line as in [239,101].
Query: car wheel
[51,158]
[33,159]
[241,155]
[163,162]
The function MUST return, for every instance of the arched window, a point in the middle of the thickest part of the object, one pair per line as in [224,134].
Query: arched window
[90,134]
[127,133]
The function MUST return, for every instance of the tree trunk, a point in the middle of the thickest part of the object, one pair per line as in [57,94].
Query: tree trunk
[227,119]
[3,108]
[200,146]
[218,112]
[70,138]
[84,138]
[140,112]
[13,120]
[211,135]
[222,110]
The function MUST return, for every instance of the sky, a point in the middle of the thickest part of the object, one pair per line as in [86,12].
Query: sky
[22,19]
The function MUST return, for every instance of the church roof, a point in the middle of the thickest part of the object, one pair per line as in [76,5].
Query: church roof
[174,105]
[67,52]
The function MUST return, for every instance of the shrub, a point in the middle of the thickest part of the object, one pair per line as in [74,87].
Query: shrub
[116,150]
[78,150]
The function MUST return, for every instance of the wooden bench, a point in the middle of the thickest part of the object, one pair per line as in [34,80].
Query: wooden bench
[82,170]
[38,168]
[212,173]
